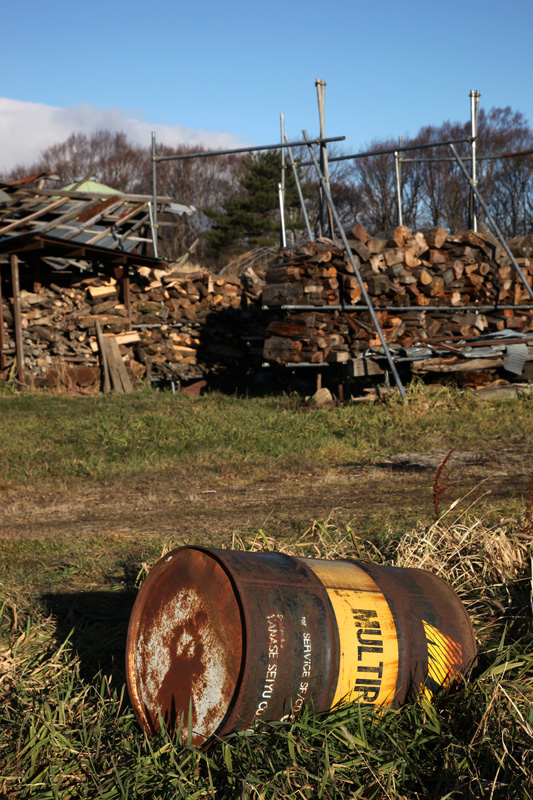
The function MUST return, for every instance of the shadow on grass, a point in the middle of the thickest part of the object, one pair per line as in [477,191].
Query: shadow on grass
[96,624]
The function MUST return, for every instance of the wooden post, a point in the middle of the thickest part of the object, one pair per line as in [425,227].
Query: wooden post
[17,319]
[126,293]
[106,383]
[3,359]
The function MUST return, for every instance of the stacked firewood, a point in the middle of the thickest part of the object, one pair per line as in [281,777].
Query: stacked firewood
[185,322]
[164,336]
[421,273]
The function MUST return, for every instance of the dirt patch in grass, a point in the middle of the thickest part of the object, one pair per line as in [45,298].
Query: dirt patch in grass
[208,508]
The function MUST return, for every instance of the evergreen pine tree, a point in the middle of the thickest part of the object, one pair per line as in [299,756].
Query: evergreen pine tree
[251,219]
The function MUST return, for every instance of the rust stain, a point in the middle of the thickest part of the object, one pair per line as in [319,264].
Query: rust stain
[96,208]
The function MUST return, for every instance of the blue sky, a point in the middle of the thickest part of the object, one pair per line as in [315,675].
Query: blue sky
[221,73]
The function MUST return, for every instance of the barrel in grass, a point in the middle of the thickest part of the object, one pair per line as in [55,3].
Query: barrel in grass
[219,640]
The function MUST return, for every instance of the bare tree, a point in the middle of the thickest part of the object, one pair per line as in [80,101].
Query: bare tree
[109,157]
[364,190]
[199,182]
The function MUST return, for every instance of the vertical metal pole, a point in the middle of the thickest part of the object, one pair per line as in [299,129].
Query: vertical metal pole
[283,237]
[17,319]
[153,217]
[474,106]
[281,187]
[476,113]
[300,193]
[357,274]
[324,167]
[397,158]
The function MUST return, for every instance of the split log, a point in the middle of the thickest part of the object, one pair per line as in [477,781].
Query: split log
[360,232]
[401,235]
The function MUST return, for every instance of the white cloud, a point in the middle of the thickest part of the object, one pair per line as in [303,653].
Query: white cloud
[28,128]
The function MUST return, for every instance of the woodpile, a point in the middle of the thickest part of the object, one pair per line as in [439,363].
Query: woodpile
[424,286]
[86,331]
[179,324]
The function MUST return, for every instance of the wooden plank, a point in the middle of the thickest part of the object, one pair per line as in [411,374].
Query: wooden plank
[363,367]
[102,292]
[3,360]
[25,219]
[103,353]
[112,363]
[455,365]
[124,378]
[130,337]
[17,319]
[66,217]
[101,210]
[123,218]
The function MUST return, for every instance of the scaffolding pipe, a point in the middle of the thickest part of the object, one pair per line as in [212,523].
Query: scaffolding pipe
[153,213]
[300,194]
[388,151]
[356,271]
[478,158]
[323,206]
[283,237]
[402,309]
[492,221]
[474,108]
[397,163]
[209,153]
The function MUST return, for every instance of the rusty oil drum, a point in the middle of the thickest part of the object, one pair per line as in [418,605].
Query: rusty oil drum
[236,637]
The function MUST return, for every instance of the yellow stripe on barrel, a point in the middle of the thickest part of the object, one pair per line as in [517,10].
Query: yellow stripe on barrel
[368,669]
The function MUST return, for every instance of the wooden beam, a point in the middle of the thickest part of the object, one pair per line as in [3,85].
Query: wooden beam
[123,217]
[18,246]
[23,221]
[71,193]
[126,293]
[17,319]
[455,364]
[106,383]
[3,360]
[115,357]
[74,252]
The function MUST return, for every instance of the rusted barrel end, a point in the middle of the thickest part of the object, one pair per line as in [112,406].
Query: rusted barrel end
[185,645]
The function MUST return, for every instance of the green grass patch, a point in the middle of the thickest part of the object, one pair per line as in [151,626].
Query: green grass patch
[67,729]
[52,438]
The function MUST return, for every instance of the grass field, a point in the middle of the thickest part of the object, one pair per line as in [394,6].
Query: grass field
[94,490]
